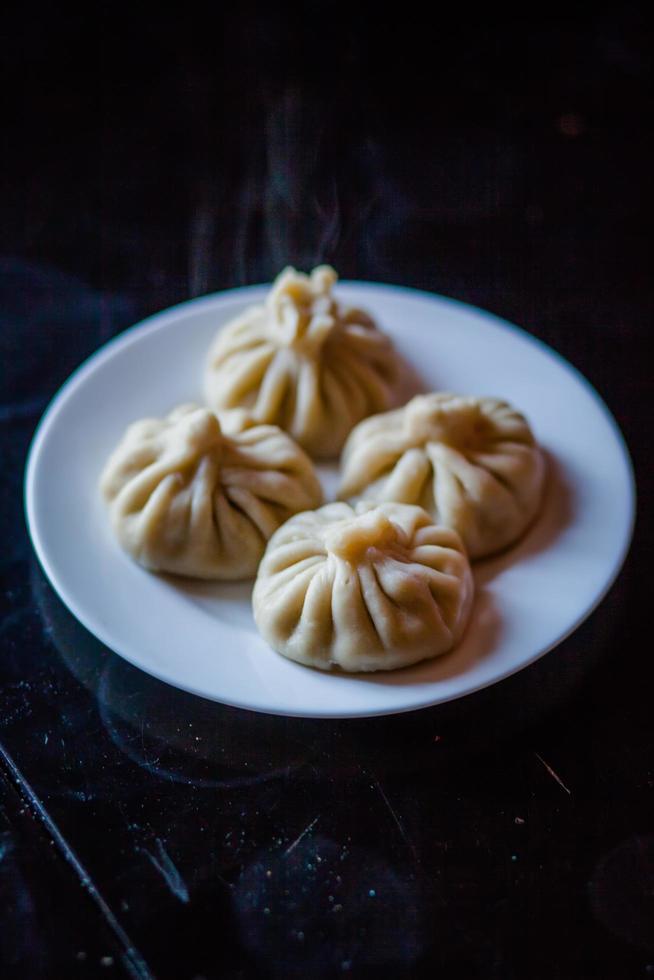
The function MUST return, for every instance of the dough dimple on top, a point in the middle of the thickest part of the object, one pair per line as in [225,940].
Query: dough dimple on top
[472,463]
[304,362]
[199,496]
[374,587]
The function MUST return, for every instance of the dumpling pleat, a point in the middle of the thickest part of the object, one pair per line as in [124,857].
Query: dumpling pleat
[289,553]
[444,586]
[339,379]
[255,509]
[240,538]
[410,612]
[407,479]
[240,341]
[137,490]
[308,414]
[471,499]
[270,486]
[450,503]
[384,612]
[354,628]
[381,431]
[376,393]
[518,469]
[286,599]
[245,375]
[151,516]
[285,575]
[374,459]
[316,624]
[374,348]
[273,388]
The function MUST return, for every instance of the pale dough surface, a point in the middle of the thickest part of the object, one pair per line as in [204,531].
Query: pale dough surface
[371,587]
[304,362]
[195,497]
[472,463]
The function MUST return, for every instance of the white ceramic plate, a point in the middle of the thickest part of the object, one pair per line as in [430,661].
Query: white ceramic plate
[201,637]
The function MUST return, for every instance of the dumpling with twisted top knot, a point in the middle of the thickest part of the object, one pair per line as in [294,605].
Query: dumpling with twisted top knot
[304,362]
[472,463]
[191,496]
[374,587]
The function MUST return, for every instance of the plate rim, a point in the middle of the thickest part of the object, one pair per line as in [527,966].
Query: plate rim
[168,315]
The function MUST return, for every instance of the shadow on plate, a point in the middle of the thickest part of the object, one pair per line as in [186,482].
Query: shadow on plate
[557,514]
[179,736]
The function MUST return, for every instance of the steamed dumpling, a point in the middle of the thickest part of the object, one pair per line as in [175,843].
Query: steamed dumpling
[472,463]
[189,497]
[304,362]
[374,587]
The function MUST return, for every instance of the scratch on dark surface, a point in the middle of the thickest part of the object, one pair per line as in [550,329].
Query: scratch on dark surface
[132,960]
[143,749]
[166,868]
[226,883]
[6,846]
[553,774]
[291,847]
[396,818]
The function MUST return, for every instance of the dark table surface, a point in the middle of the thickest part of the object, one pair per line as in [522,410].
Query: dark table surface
[145,832]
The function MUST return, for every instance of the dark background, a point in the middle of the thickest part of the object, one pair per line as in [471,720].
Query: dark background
[502,161]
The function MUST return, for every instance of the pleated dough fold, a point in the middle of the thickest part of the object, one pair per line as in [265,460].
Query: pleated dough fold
[472,463]
[374,587]
[189,496]
[304,362]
